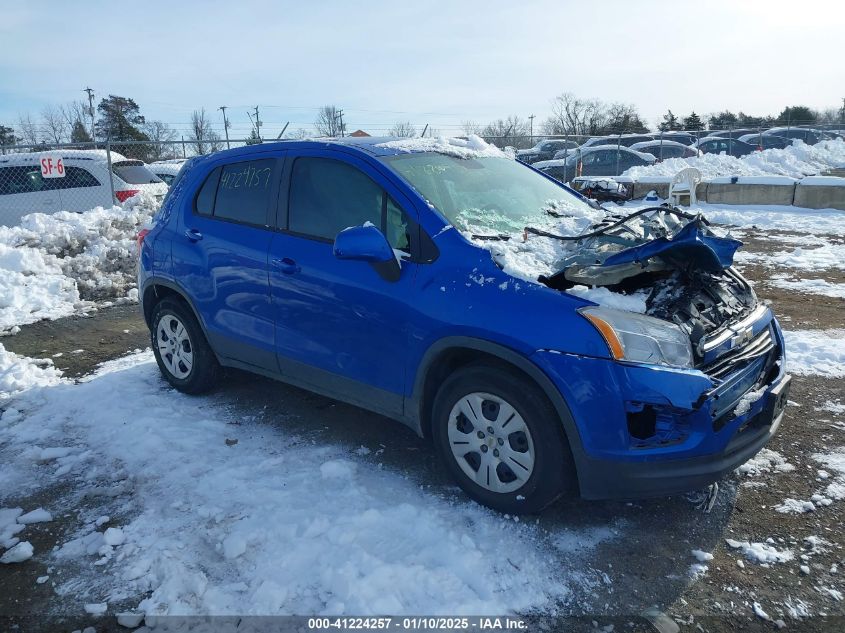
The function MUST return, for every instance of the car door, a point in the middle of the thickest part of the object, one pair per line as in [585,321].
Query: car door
[341,327]
[220,252]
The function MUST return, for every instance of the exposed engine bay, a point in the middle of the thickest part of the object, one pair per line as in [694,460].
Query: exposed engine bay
[674,256]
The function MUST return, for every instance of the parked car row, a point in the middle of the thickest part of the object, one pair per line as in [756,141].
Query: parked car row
[612,155]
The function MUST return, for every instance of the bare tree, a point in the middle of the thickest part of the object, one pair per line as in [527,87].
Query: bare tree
[298,133]
[76,112]
[510,132]
[202,133]
[403,129]
[328,121]
[28,130]
[160,134]
[471,127]
[54,124]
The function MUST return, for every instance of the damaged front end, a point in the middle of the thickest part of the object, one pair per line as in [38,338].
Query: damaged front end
[684,271]
[673,256]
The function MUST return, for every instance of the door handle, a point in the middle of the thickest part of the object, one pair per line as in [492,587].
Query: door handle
[193,235]
[286,265]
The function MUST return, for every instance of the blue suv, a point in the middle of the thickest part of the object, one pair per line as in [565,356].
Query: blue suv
[397,276]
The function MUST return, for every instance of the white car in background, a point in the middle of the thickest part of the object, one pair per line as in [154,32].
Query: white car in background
[82,184]
[166,170]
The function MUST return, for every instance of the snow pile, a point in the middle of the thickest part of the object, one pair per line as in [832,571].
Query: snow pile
[471,147]
[634,302]
[18,373]
[270,525]
[51,264]
[761,553]
[796,161]
[815,352]
[795,506]
[765,461]
[834,461]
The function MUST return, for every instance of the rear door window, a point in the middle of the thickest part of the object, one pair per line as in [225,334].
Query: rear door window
[243,191]
[76,177]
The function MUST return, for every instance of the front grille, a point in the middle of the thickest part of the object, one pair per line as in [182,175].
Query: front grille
[760,345]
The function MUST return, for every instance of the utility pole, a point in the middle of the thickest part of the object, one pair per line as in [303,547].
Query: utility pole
[257,124]
[225,124]
[531,127]
[90,92]
[339,115]
[424,130]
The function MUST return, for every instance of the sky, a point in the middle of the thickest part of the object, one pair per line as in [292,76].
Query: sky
[426,61]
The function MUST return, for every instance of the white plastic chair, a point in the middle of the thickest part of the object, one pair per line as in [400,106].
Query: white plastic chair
[684,183]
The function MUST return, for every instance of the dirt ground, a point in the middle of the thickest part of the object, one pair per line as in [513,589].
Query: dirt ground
[649,566]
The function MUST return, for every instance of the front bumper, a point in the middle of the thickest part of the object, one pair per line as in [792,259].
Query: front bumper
[701,427]
[603,479]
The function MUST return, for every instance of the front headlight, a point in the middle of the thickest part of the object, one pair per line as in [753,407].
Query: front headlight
[640,338]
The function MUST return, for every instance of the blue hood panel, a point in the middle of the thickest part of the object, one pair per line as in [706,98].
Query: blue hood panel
[693,247]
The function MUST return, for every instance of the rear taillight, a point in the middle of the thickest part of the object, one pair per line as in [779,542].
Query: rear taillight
[123,196]
[140,239]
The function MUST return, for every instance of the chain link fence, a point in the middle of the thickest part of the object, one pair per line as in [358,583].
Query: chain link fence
[47,178]
[80,176]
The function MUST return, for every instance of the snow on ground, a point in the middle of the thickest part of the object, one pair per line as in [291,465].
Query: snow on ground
[53,265]
[796,161]
[773,217]
[816,352]
[809,286]
[766,461]
[804,259]
[272,524]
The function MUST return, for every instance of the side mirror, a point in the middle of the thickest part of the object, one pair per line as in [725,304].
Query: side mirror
[364,243]
[367,244]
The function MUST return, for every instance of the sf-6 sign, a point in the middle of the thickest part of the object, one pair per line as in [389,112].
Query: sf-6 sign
[52,166]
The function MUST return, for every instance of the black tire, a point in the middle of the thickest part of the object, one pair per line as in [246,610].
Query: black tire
[553,471]
[204,370]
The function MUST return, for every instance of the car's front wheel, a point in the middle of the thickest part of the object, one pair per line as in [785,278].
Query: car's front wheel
[181,351]
[501,439]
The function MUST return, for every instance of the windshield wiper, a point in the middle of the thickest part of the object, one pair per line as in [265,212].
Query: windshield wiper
[604,229]
[491,238]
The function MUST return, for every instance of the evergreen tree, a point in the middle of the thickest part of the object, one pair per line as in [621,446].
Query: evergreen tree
[693,122]
[7,136]
[670,123]
[796,115]
[79,133]
[120,119]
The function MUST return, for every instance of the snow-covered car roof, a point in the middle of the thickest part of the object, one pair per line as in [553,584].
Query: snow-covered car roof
[666,143]
[162,167]
[560,162]
[68,154]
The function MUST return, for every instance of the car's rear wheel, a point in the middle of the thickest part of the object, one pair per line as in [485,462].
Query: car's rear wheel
[183,355]
[501,439]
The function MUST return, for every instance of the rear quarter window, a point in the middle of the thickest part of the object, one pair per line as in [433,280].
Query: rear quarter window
[134,172]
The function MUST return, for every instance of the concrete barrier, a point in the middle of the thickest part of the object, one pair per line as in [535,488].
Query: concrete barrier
[824,192]
[729,193]
[641,189]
